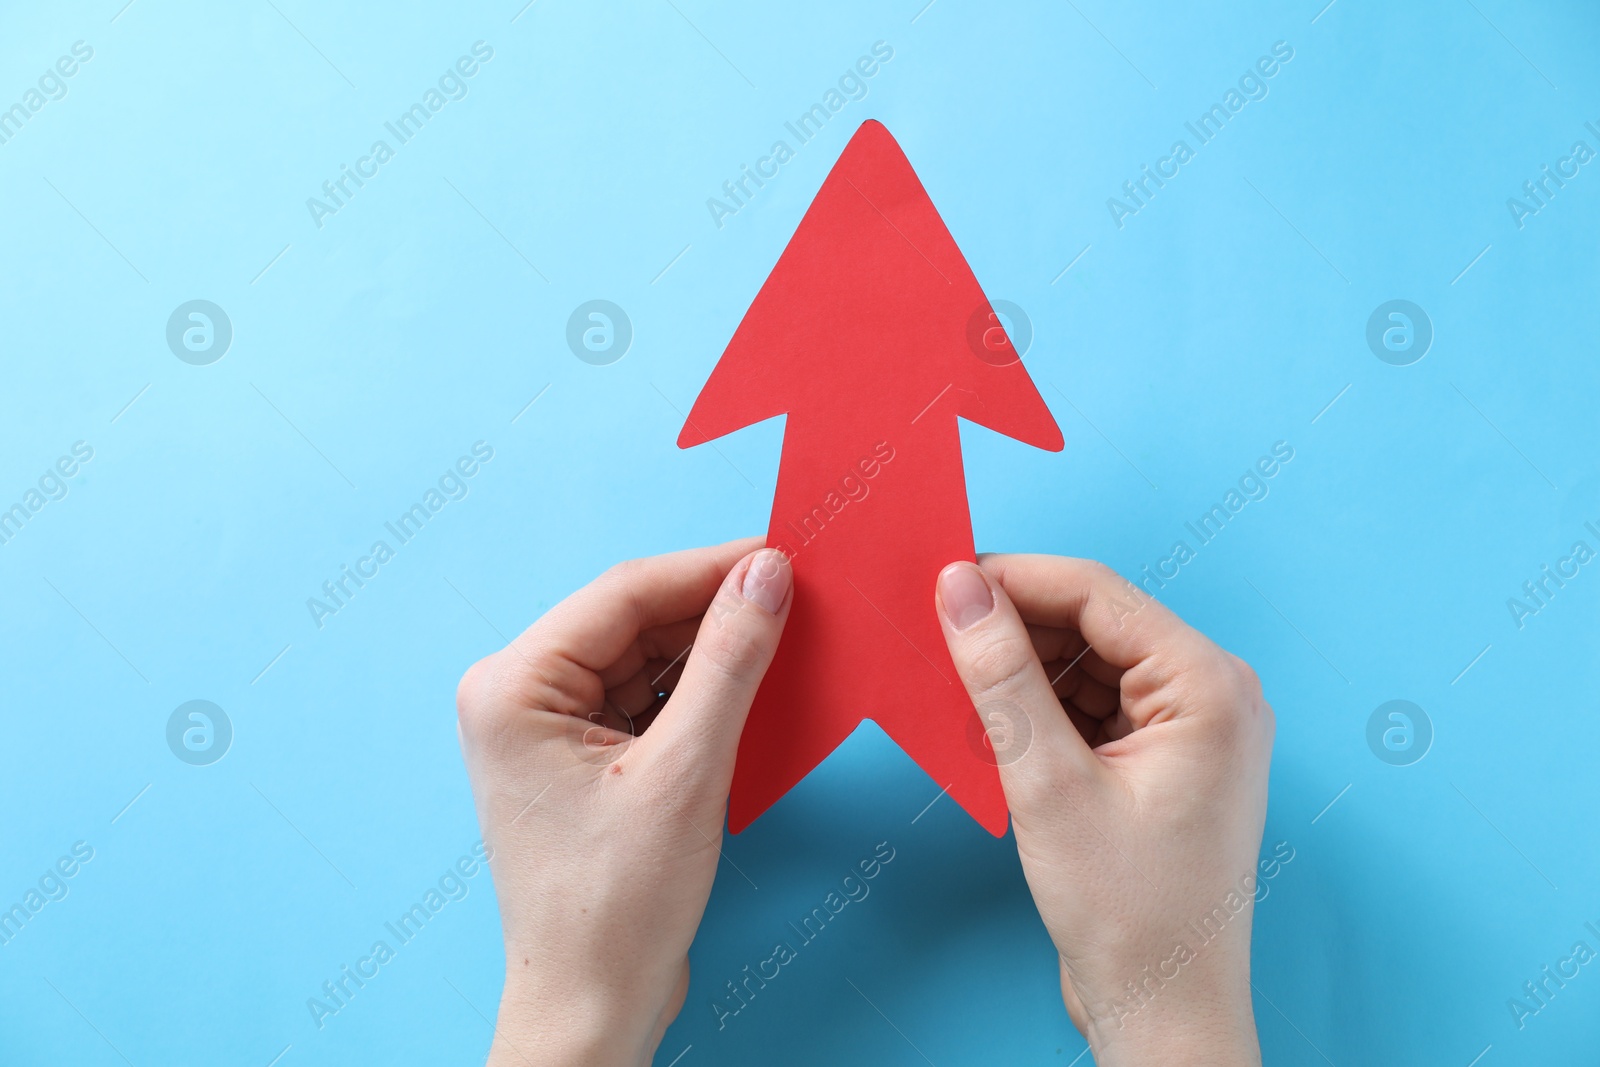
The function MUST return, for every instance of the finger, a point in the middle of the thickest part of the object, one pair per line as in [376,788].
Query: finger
[700,725]
[613,716]
[648,686]
[596,625]
[635,696]
[1121,622]
[1088,728]
[1064,650]
[1100,670]
[1094,699]
[1068,686]
[663,644]
[642,722]
[996,660]
[1054,643]
[664,676]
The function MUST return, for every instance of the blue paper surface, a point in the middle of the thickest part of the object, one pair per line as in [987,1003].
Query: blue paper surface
[356,341]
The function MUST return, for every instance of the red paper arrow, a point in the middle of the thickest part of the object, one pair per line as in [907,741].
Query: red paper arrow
[872,335]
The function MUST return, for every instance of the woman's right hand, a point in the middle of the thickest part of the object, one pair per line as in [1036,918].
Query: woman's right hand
[1135,767]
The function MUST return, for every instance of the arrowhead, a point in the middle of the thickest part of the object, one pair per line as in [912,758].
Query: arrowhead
[871,298]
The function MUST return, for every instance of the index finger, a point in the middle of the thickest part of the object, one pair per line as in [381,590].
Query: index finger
[1122,623]
[595,626]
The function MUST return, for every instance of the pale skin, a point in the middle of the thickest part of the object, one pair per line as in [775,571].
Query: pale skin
[601,744]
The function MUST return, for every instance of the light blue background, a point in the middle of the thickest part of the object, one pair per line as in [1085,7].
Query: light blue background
[1223,317]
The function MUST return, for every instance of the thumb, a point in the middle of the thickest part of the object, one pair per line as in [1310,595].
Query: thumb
[1028,732]
[701,722]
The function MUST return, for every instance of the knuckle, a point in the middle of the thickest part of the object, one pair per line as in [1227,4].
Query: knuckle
[494,692]
[1255,708]
[1232,689]
[724,606]
[474,694]
[1112,594]
[732,648]
[619,573]
[996,662]
[1269,720]
[1047,795]
[1100,573]
[1245,676]
[624,576]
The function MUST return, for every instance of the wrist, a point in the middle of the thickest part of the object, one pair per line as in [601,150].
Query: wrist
[561,1027]
[1211,1031]
[1198,1047]
[518,1048]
